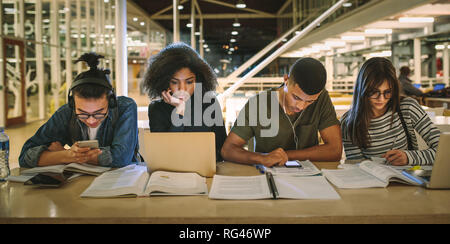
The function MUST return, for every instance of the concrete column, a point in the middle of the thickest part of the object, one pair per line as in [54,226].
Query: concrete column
[55,53]
[121,48]
[445,64]
[40,59]
[88,25]
[2,74]
[78,14]
[193,44]
[68,45]
[417,61]
[176,22]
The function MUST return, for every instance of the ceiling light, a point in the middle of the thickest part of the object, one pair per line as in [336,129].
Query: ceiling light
[234,33]
[352,38]
[416,20]
[180,7]
[441,47]
[347,5]
[381,54]
[197,33]
[142,23]
[189,25]
[232,40]
[240,4]
[378,31]
[236,23]
[135,19]
[335,43]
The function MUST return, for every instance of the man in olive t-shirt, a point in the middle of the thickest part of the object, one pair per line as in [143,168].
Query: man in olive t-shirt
[285,121]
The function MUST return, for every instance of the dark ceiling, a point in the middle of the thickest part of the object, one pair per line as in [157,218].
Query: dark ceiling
[254,33]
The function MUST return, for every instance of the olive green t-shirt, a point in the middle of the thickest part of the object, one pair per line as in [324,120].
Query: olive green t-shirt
[300,134]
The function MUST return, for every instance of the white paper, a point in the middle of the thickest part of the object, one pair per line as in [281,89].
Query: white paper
[312,187]
[239,187]
[257,187]
[20,178]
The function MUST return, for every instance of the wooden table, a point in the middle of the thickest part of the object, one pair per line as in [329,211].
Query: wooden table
[395,204]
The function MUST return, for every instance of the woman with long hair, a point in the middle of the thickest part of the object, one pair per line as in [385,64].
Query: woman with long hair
[381,123]
[182,87]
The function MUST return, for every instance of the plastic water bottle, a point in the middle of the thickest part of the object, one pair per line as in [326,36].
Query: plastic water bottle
[4,155]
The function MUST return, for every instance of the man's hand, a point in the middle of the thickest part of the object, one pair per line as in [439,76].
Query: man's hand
[276,157]
[55,146]
[82,155]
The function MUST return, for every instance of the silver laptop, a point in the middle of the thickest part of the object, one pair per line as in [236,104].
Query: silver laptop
[179,152]
[439,176]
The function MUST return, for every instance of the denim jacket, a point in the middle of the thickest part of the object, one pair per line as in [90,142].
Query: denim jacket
[118,144]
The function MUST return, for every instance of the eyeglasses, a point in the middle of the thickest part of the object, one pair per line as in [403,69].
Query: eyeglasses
[95,116]
[376,94]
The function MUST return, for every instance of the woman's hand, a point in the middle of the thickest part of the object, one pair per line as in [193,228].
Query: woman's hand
[168,98]
[396,157]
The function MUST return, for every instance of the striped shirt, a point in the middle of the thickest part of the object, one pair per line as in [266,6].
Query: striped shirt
[385,136]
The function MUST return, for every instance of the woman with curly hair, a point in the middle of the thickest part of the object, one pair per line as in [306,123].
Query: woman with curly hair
[181,88]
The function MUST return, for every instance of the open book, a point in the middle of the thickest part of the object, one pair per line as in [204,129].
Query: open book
[87,169]
[366,174]
[135,181]
[264,186]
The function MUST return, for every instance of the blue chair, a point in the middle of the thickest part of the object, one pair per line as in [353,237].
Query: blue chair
[439,86]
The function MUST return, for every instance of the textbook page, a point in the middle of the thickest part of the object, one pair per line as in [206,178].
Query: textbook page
[313,187]
[385,173]
[172,183]
[352,177]
[73,167]
[240,187]
[129,181]
[50,169]
[86,168]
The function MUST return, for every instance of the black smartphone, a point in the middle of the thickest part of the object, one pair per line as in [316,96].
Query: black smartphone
[50,180]
[292,164]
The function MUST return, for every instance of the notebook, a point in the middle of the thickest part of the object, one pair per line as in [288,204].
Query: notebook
[179,152]
[270,186]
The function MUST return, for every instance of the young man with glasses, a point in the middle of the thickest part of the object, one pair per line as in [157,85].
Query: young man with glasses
[93,112]
[299,110]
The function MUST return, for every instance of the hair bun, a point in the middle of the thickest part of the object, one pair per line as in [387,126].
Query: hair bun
[92,59]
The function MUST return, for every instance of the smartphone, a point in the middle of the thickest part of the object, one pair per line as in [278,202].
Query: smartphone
[292,164]
[93,144]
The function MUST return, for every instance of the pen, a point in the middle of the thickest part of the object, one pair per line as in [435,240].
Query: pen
[261,168]
[392,147]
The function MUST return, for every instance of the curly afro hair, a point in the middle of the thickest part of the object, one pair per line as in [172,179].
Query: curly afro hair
[171,59]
